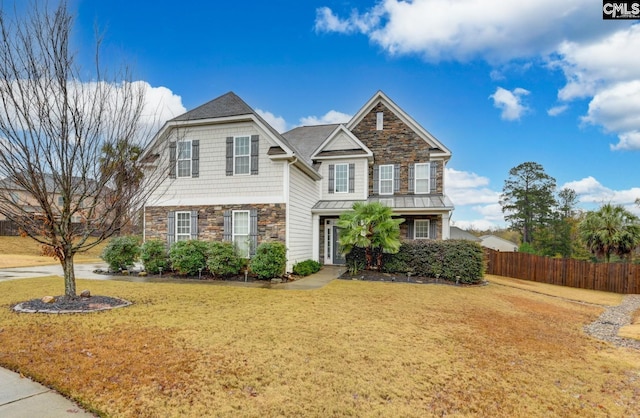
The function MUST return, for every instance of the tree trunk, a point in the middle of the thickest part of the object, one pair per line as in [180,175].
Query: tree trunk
[69,275]
[368,257]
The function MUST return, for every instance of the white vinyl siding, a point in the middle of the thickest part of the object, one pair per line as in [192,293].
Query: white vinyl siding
[265,187]
[386,179]
[341,178]
[303,195]
[184,159]
[240,232]
[241,155]
[360,180]
[421,229]
[183,226]
[422,178]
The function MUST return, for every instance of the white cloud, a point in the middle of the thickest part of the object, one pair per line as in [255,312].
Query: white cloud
[477,224]
[590,190]
[277,122]
[332,116]
[510,102]
[556,110]
[466,29]
[471,195]
[161,104]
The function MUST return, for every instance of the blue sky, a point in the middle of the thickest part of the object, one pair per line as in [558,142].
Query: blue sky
[500,83]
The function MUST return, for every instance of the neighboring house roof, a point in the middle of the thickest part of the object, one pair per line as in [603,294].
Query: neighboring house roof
[497,243]
[49,183]
[457,233]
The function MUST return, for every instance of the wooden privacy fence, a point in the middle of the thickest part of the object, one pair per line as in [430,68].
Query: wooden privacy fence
[609,277]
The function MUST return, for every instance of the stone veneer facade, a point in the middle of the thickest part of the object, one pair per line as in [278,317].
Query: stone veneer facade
[271,221]
[396,143]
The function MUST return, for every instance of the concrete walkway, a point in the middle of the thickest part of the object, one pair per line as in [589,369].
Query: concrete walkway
[21,397]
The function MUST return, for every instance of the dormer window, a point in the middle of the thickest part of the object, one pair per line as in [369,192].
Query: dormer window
[379,121]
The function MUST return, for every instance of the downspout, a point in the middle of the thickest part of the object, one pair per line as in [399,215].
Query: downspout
[287,210]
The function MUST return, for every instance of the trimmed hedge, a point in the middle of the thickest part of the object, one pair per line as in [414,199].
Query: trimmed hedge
[270,260]
[453,260]
[154,256]
[306,267]
[222,259]
[189,257]
[121,252]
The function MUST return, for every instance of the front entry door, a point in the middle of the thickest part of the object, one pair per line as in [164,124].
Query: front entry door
[338,258]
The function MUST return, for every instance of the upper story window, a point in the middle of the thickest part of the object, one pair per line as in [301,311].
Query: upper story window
[422,178]
[379,121]
[342,178]
[183,226]
[184,159]
[60,201]
[241,155]
[386,179]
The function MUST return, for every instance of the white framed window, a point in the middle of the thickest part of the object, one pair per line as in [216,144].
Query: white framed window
[240,231]
[60,201]
[183,226]
[379,121]
[422,178]
[386,179]
[421,229]
[241,155]
[183,162]
[341,180]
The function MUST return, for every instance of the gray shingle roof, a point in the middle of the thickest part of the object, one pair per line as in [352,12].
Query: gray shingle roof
[307,139]
[226,105]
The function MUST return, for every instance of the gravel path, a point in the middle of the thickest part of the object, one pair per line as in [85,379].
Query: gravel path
[607,325]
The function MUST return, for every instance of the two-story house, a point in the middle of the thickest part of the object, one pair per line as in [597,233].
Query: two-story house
[232,177]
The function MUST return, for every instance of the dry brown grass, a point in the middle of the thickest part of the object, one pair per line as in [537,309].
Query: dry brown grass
[349,349]
[632,330]
[25,252]
[571,293]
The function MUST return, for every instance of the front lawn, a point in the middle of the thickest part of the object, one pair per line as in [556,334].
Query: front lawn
[348,349]
[25,252]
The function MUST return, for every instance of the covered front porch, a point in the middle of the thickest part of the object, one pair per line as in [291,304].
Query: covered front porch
[426,217]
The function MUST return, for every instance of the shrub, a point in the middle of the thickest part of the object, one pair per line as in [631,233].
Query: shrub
[121,252]
[270,260]
[188,257]
[154,256]
[222,259]
[306,267]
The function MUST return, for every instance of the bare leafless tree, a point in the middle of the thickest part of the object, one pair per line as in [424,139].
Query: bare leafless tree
[69,144]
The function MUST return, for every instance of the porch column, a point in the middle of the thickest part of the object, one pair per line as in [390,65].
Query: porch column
[315,237]
[445,226]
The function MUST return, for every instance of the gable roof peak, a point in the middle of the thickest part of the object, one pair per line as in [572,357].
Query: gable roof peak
[229,104]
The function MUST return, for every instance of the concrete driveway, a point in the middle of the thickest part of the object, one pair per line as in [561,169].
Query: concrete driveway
[83,271]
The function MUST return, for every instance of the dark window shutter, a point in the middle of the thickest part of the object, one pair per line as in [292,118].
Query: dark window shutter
[226,227]
[410,229]
[433,177]
[229,156]
[331,177]
[376,178]
[352,178]
[255,148]
[396,178]
[433,232]
[194,224]
[253,231]
[171,228]
[412,180]
[172,159]
[195,158]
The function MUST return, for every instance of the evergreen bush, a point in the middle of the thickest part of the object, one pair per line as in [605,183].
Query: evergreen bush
[223,260]
[189,257]
[306,267]
[121,252]
[154,256]
[270,260]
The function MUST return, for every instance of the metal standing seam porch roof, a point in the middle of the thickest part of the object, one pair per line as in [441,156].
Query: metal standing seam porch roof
[398,203]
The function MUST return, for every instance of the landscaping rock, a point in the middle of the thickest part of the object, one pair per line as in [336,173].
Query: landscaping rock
[142,274]
[48,299]
[85,294]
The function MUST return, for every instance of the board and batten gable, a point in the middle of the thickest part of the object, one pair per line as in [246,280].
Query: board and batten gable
[213,186]
[303,194]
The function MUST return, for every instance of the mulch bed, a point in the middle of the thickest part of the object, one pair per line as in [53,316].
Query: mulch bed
[376,276]
[67,304]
